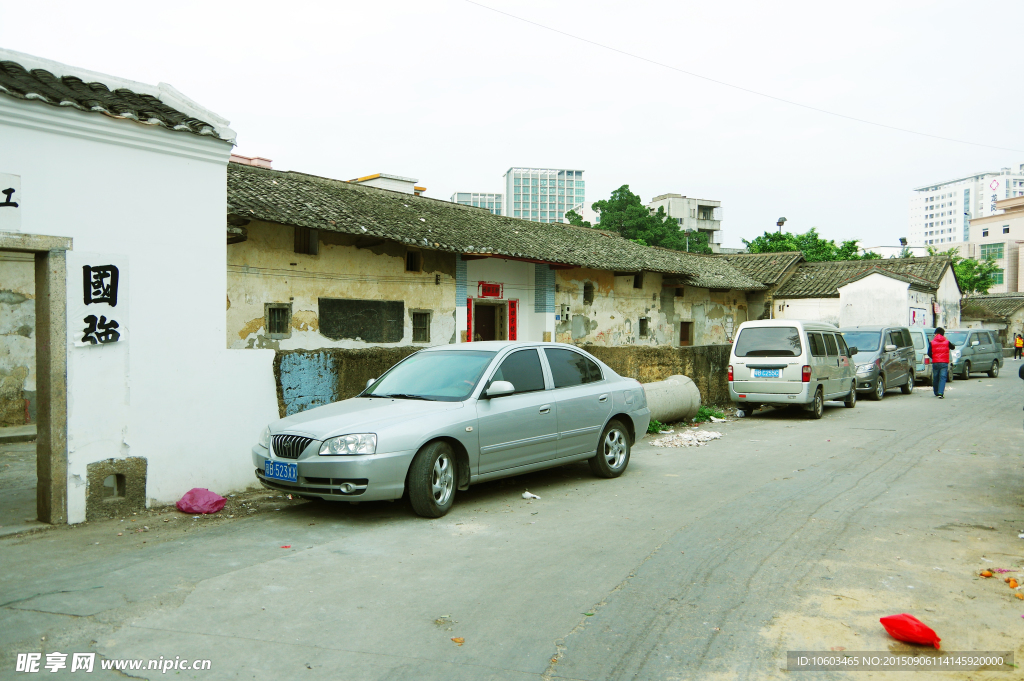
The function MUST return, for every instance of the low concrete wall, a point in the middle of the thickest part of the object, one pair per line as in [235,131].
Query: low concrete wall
[311,378]
[706,365]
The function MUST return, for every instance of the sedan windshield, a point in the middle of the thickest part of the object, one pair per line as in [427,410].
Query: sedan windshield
[446,376]
[768,341]
[864,341]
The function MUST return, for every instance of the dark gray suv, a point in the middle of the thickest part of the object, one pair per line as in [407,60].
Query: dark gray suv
[885,358]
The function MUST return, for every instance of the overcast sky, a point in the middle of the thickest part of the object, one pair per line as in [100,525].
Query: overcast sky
[453,94]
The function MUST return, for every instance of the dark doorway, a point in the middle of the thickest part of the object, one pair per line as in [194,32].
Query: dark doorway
[485,322]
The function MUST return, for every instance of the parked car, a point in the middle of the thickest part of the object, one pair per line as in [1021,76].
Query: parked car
[451,416]
[922,362]
[885,358]
[784,361]
[979,351]
[954,355]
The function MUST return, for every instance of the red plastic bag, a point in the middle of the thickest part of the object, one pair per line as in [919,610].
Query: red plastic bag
[909,629]
[201,500]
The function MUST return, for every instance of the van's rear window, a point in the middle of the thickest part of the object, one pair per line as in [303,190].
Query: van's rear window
[768,341]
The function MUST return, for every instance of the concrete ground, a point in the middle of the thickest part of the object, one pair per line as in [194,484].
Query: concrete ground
[698,563]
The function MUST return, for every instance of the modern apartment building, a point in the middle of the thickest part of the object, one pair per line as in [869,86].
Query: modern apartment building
[702,215]
[490,201]
[998,237]
[543,194]
[941,213]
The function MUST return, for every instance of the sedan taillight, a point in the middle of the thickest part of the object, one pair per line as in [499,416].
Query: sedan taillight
[805,375]
[730,373]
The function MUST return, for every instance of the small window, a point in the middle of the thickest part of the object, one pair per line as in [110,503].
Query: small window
[307,241]
[570,368]
[638,280]
[643,327]
[113,486]
[830,345]
[521,369]
[984,232]
[413,261]
[843,350]
[685,333]
[420,327]
[680,292]
[1006,229]
[918,340]
[588,294]
[816,344]
[278,320]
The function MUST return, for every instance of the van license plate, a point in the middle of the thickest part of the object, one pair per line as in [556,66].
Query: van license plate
[767,373]
[280,470]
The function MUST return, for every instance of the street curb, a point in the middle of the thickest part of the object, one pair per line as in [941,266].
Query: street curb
[17,434]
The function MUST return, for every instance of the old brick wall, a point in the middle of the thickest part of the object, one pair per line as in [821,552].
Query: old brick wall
[705,365]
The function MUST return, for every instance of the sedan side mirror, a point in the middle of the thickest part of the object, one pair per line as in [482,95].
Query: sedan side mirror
[973,343]
[499,389]
[370,382]
[853,351]
[890,348]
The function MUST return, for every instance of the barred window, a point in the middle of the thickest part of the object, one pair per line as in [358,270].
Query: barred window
[278,320]
[420,327]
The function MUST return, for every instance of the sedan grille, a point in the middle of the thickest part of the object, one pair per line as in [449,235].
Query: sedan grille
[290,446]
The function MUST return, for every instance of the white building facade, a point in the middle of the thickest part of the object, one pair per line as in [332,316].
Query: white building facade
[543,194]
[701,215]
[940,214]
[492,202]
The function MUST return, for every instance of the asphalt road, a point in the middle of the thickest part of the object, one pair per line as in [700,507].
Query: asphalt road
[698,563]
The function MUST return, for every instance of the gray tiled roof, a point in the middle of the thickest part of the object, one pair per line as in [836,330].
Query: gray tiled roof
[69,91]
[823,279]
[291,198]
[996,306]
[767,268]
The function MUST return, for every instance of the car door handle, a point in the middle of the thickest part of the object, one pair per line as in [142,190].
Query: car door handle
[546,409]
[603,398]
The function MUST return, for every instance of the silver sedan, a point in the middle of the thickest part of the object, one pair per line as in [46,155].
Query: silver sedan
[450,416]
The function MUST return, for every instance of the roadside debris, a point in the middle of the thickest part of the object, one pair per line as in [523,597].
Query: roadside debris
[200,500]
[909,629]
[528,495]
[688,438]
[986,573]
[458,640]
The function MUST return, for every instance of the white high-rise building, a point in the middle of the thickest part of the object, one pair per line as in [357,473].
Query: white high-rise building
[940,214]
[490,201]
[543,194]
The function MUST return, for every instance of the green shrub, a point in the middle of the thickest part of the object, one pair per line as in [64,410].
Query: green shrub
[705,413]
[655,426]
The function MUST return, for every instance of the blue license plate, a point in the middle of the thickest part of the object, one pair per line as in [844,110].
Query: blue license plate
[282,470]
[767,373]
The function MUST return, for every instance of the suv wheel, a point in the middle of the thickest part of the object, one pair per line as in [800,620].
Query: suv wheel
[994,371]
[818,405]
[879,392]
[966,373]
[851,400]
[908,387]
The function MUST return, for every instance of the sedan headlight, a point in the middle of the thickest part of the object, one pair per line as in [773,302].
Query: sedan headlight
[360,443]
[265,438]
[864,368]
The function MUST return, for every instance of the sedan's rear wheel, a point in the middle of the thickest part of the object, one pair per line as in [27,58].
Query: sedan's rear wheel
[431,480]
[612,452]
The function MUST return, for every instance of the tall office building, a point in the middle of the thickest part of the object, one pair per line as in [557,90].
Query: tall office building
[940,214]
[492,202]
[543,194]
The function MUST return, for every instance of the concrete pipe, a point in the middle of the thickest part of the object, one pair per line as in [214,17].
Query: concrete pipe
[674,399]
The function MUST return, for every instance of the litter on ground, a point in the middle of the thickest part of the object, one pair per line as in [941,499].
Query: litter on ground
[687,439]
[528,495]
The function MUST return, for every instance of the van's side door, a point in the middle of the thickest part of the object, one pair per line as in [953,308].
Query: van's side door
[847,366]
[834,370]
[988,349]
[821,370]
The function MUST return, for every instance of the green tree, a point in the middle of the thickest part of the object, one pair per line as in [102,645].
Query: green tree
[626,214]
[974,276]
[811,244]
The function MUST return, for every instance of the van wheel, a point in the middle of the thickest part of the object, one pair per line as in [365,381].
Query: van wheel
[879,392]
[851,400]
[818,405]
[908,387]
[966,373]
[994,371]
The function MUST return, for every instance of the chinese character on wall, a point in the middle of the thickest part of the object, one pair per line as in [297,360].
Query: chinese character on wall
[97,312]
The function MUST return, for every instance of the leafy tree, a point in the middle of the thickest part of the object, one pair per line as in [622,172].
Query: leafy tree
[811,244]
[974,276]
[626,214]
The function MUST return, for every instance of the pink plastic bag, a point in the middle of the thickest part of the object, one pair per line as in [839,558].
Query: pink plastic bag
[909,629]
[201,500]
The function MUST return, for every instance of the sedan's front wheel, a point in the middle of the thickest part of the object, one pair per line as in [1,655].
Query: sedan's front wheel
[612,452]
[431,480]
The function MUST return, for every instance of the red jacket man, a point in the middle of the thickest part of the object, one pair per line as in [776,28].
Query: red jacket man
[938,350]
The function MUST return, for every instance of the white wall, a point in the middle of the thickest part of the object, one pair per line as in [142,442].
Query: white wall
[875,299]
[948,298]
[808,309]
[173,394]
[517,279]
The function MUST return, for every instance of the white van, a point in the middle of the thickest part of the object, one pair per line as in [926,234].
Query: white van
[787,361]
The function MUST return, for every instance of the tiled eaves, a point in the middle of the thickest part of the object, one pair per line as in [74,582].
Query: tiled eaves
[768,268]
[822,279]
[291,198]
[68,91]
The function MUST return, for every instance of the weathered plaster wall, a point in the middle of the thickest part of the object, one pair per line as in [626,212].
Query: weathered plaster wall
[875,299]
[807,309]
[706,365]
[17,339]
[948,298]
[613,318]
[265,269]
